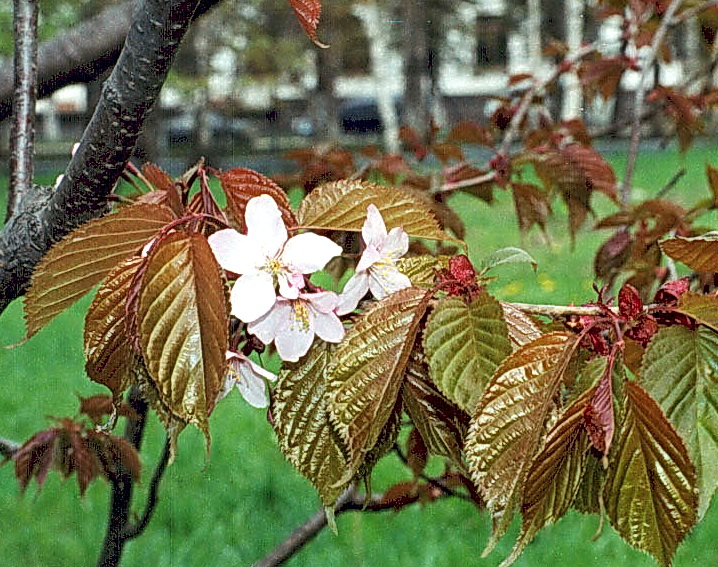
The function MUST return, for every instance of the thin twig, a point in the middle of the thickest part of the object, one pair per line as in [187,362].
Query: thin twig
[22,137]
[132,530]
[8,448]
[625,190]
[430,480]
[559,311]
[671,183]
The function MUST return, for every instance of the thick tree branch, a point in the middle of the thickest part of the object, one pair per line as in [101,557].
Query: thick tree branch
[22,137]
[80,55]
[44,216]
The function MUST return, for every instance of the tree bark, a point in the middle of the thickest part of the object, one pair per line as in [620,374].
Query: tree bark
[417,75]
[371,19]
[22,136]
[44,215]
[572,103]
[80,55]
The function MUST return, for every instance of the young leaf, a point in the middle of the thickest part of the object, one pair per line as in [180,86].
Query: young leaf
[368,368]
[679,371]
[532,206]
[342,205]
[555,475]
[183,325]
[308,13]
[508,427]
[599,418]
[699,253]
[464,345]
[650,494]
[442,424]
[301,421]
[85,256]
[240,185]
[35,458]
[509,255]
[421,270]
[108,351]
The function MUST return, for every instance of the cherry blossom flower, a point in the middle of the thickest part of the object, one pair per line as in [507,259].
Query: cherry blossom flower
[265,257]
[376,270]
[292,323]
[249,378]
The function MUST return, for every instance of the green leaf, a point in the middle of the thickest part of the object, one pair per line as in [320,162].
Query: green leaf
[650,494]
[555,475]
[702,308]
[84,257]
[183,324]
[508,427]
[108,351]
[464,345]
[699,253]
[680,370]
[342,205]
[368,367]
[441,423]
[301,421]
[509,255]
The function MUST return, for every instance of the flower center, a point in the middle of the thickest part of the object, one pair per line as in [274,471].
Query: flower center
[274,266]
[301,316]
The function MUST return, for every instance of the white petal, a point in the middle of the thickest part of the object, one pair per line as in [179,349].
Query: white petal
[370,255]
[374,230]
[322,302]
[328,327]
[268,326]
[396,243]
[252,387]
[235,252]
[293,343]
[308,252]
[354,290]
[385,280]
[257,369]
[265,225]
[252,296]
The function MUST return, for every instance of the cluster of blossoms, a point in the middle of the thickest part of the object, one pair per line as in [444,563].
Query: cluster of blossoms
[270,293]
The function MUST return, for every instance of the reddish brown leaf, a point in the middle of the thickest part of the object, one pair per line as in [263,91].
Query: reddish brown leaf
[532,206]
[85,256]
[598,415]
[416,452]
[613,255]
[115,455]
[630,305]
[712,174]
[35,457]
[471,133]
[308,12]
[699,253]
[601,77]
[414,142]
[108,352]
[100,405]
[240,185]
[158,177]
[400,495]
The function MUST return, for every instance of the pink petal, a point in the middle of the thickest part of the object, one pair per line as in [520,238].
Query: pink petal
[235,252]
[374,230]
[289,285]
[328,327]
[265,225]
[396,244]
[354,290]
[252,296]
[308,252]
[387,280]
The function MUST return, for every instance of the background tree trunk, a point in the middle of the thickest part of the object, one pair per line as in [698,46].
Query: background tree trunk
[417,67]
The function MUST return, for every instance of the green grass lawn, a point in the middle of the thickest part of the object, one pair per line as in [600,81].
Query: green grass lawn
[246,499]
